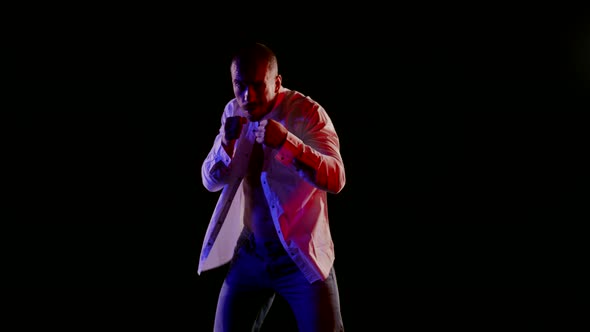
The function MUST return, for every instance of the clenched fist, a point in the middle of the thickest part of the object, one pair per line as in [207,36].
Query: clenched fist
[271,133]
[233,127]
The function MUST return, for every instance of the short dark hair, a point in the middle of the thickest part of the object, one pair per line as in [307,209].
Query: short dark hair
[254,52]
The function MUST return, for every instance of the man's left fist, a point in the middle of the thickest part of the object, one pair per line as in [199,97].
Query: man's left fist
[271,133]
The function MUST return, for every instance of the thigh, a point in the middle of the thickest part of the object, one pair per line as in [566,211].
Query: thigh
[244,298]
[316,306]
[241,310]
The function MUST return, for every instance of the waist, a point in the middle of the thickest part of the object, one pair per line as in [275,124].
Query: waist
[263,246]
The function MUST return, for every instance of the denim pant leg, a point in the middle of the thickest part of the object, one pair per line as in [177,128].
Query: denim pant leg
[316,306]
[245,296]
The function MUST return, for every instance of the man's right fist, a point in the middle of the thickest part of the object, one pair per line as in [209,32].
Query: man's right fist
[233,127]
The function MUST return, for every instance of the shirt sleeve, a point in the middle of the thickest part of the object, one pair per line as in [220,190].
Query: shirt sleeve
[314,152]
[216,168]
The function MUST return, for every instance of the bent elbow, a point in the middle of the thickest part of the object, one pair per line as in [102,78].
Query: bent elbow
[211,186]
[340,182]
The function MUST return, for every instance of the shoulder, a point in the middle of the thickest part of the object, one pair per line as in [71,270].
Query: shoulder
[293,98]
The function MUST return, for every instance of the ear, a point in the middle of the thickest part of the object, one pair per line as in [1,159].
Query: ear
[278,83]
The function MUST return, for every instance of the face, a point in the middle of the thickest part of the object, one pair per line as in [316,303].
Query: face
[255,88]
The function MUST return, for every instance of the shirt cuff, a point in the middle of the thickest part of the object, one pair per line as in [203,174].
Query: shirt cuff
[222,156]
[291,148]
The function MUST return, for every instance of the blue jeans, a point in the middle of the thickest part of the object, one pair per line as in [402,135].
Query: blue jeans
[259,271]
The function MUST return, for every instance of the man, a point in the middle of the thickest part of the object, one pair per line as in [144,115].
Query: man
[275,159]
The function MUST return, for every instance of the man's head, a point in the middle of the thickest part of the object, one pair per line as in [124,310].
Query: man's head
[256,80]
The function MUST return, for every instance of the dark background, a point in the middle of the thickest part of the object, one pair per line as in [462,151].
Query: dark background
[461,133]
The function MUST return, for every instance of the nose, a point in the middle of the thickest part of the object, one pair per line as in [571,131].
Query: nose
[248,94]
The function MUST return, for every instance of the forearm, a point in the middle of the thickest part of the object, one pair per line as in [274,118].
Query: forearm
[321,166]
[215,170]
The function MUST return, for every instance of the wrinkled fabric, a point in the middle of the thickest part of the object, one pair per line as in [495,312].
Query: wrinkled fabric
[296,179]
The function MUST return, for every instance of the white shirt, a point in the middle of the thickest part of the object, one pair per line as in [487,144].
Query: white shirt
[298,206]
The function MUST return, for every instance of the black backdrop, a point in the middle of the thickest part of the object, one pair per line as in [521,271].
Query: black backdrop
[461,136]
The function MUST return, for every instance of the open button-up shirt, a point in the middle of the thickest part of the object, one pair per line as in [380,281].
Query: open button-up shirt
[296,179]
